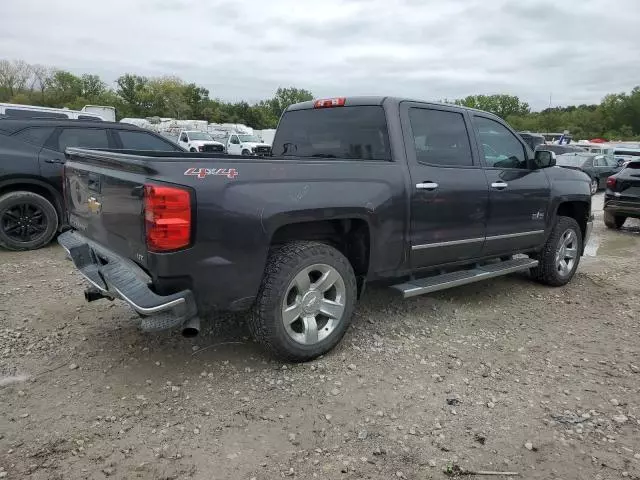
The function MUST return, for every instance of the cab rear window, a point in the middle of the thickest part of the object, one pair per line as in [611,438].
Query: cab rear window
[343,133]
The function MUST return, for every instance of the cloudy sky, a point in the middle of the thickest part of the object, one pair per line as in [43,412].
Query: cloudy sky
[576,50]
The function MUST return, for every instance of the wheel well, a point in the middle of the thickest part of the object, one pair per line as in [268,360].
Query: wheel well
[579,211]
[34,188]
[349,236]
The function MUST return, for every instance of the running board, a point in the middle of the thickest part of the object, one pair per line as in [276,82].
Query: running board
[421,286]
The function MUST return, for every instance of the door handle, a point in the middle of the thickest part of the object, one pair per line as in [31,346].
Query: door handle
[54,160]
[499,185]
[426,186]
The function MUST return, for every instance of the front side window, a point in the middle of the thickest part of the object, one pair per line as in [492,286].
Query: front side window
[83,137]
[344,133]
[235,140]
[440,137]
[500,147]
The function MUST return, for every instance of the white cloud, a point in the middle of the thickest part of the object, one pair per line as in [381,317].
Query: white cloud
[579,50]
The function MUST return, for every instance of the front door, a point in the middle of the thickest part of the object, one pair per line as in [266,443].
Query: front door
[233,147]
[449,194]
[518,194]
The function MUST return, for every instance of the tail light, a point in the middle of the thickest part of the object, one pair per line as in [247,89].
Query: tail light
[330,102]
[167,213]
[611,182]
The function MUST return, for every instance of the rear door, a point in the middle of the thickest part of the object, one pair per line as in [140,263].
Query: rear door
[52,155]
[518,195]
[449,193]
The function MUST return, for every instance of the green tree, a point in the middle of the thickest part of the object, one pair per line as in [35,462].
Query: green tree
[287,96]
[501,105]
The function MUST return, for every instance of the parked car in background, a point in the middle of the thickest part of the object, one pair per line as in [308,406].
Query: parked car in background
[423,196]
[597,167]
[31,165]
[197,141]
[16,111]
[560,149]
[626,154]
[532,139]
[247,145]
[622,197]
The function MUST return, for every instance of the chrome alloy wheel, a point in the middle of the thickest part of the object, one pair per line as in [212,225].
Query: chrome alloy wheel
[314,304]
[567,253]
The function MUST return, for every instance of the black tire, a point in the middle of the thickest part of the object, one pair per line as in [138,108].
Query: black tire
[193,150]
[246,153]
[40,228]
[614,221]
[266,323]
[547,271]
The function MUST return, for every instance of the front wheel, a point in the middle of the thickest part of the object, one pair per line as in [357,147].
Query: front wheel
[27,221]
[305,302]
[246,153]
[560,255]
[594,186]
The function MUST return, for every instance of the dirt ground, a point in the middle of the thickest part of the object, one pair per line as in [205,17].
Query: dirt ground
[505,375]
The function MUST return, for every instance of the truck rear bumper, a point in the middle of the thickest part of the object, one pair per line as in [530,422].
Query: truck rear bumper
[117,277]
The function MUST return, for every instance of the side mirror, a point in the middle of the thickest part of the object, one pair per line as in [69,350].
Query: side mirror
[544,159]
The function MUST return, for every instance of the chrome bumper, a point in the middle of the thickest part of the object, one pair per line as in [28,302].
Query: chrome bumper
[118,277]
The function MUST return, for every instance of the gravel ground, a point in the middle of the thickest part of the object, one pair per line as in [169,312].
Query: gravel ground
[505,375]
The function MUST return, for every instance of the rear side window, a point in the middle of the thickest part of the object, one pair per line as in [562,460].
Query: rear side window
[347,133]
[500,147]
[20,113]
[440,137]
[144,141]
[35,135]
[83,137]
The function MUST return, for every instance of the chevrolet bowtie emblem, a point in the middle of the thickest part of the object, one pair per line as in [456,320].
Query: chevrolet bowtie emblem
[94,205]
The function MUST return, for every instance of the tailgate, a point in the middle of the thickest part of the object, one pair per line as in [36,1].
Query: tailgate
[105,201]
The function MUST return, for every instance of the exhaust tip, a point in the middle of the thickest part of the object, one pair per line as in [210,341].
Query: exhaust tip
[191,328]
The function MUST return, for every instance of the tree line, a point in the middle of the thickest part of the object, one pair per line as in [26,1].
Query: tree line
[616,117]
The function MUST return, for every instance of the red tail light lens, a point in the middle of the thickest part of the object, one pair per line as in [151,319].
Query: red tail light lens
[167,213]
[611,182]
[330,102]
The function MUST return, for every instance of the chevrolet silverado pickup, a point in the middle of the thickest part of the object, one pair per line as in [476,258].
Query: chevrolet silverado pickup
[418,196]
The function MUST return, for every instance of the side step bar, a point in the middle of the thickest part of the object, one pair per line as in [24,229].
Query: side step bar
[421,286]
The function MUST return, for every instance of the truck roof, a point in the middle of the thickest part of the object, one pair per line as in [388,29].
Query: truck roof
[379,100]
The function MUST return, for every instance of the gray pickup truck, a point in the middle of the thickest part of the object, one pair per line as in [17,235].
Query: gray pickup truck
[421,196]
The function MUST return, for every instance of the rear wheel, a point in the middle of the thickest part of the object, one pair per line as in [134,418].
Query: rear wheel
[560,256]
[614,221]
[594,186]
[305,302]
[27,221]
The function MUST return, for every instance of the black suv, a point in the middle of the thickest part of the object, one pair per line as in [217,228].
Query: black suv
[31,160]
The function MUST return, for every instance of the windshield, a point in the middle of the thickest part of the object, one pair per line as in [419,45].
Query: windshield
[342,133]
[250,138]
[571,160]
[199,136]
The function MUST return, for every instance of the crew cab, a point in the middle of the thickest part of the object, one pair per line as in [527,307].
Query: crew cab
[421,196]
[245,144]
[197,141]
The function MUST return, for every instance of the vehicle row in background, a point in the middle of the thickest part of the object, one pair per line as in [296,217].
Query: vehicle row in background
[88,112]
